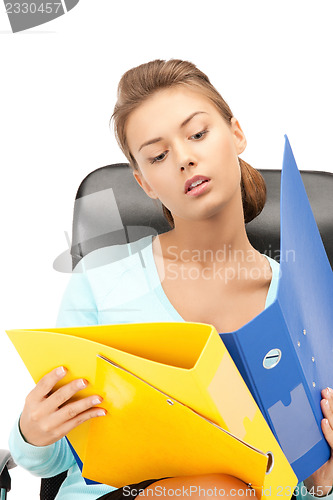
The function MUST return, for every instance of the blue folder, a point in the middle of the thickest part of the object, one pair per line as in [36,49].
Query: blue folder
[299,323]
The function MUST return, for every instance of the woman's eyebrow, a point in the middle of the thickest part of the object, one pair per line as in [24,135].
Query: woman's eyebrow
[185,122]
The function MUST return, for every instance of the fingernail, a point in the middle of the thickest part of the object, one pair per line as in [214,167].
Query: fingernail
[326,403]
[60,371]
[96,401]
[82,383]
[325,421]
[329,390]
[101,413]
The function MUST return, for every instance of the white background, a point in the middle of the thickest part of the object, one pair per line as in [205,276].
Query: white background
[271,61]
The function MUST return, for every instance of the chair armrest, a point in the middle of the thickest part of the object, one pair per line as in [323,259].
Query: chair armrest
[6,459]
[6,462]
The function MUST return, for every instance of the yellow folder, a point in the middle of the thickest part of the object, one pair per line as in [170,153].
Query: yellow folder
[160,380]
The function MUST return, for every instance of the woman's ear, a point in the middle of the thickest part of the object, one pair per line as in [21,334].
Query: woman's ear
[239,136]
[144,184]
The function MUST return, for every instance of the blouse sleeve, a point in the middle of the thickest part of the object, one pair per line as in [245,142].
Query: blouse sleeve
[42,461]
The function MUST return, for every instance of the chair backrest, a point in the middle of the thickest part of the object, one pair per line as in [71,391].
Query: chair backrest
[111,208]
[49,486]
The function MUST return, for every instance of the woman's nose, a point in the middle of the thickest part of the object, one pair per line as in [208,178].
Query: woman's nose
[185,157]
[188,163]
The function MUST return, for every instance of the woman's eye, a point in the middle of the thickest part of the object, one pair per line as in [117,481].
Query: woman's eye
[198,135]
[158,158]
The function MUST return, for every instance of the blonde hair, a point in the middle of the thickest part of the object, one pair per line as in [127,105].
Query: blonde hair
[139,83]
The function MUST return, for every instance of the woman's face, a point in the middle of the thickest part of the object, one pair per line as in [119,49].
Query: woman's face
[177,134]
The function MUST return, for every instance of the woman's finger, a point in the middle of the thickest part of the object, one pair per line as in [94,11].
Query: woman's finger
[79,419]
[327,431]
[328,394]
[72,410]
[327,409]
[63,394]
[327,404]
[46,383]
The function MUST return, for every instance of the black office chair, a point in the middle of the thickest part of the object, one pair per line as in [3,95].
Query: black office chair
[111,208]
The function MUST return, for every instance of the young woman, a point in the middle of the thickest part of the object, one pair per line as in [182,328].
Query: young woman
[183,145]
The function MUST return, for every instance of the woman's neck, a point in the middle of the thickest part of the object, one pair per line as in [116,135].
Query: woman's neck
[221,234]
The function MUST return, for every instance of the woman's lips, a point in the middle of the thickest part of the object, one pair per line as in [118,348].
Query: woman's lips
[194,179]
[199,189]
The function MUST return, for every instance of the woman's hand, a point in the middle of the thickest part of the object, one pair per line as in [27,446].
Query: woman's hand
[46,417]
[320,482]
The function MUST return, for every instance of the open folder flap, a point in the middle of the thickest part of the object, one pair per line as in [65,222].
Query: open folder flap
[151,435]
[306,287]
